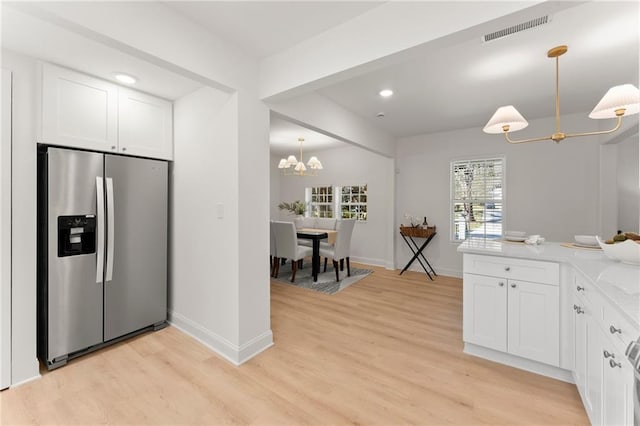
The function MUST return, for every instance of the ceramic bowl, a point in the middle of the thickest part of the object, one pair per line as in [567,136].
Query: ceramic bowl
[515,234]
[586,240]
[626,252]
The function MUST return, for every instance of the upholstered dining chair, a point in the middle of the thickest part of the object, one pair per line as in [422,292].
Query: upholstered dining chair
[287,247]
[273,254]
[342,248]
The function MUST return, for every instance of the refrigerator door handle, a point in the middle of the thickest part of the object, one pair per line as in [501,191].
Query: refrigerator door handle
[110,229]
[100,218]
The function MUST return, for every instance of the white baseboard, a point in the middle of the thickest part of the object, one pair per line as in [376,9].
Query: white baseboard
[519,362]
[22,382]
[235,354]
[369,261]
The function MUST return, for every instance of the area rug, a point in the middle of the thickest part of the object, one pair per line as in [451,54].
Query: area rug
[326,280]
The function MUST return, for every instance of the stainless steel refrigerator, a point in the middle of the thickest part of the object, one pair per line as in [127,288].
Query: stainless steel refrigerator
[102,239]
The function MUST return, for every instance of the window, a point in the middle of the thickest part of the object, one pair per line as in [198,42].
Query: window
[320,200]
[353,202]
[477,203]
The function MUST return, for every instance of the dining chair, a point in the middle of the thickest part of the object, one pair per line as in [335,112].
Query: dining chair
[287,247]
[342,248]
[273,256]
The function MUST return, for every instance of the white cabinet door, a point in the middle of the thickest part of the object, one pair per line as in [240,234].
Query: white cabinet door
[146,125]
[534,321]
[617,387]
[593,368]
[580,348]
[485,311]
[78,110]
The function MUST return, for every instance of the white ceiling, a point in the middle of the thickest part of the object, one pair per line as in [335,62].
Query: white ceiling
[26,34]
[284,138]
[463,85]
[262,28]
[435,90]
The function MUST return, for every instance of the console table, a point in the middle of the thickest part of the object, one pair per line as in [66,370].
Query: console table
[408,234]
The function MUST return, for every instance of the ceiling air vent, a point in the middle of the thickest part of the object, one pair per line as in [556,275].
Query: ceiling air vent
[516,28]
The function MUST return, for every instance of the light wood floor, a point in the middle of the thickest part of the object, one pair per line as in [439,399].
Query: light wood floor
[387,350]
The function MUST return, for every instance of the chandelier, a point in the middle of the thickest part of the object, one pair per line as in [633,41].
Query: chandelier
[291,165]
[616,103]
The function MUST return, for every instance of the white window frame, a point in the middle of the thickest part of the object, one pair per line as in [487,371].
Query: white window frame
[308,199]
[339,193]
[452,200]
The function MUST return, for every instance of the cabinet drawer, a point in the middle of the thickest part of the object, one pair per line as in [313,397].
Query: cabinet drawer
[517,269]
[619,329]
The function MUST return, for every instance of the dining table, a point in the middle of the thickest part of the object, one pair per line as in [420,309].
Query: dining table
[315,235]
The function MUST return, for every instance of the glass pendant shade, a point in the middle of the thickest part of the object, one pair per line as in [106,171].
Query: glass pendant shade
[505,115]
[283,164]
[624,96]
[300,167]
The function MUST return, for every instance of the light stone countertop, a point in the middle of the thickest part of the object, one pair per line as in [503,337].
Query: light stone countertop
[618,282]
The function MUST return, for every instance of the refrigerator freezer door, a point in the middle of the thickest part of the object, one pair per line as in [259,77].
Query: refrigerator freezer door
[75,305]
[136,295]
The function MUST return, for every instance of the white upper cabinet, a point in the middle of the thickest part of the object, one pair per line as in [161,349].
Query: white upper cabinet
[80,111]
[146,125]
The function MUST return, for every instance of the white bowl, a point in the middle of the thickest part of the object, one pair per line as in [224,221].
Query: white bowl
[626,252]
[515,234]
[586,240]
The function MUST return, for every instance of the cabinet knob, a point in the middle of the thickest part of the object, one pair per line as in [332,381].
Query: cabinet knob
[501,284]
[578,309]
[614,330]
[507,268]
[614,364]
[513,286]
[124,148]
[580,288]
[113,147]
[608,354]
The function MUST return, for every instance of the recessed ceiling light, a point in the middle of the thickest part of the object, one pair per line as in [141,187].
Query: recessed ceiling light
[380,114]
[125,78]
[386,93]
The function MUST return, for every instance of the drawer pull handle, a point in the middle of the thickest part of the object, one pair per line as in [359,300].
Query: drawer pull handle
[507,268]
[501,284]
[614,364]
[614,330]
[513,286]
[580,288]
[608,354]
[578,309]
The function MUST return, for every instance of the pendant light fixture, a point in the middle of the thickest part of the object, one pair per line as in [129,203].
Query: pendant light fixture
[291,165]
[619,101]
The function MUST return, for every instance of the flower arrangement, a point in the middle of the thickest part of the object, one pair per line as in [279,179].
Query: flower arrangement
[296,207]
[414,221]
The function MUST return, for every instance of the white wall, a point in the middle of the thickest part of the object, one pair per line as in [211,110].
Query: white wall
[206,249]
[5,231]
[23,246]
[551,189]
[628,187]
[351,166]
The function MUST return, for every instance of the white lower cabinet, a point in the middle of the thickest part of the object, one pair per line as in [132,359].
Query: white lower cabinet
[533,321]
[513,306]
[617,387]
[485,311]
[517,317]
[602,373]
